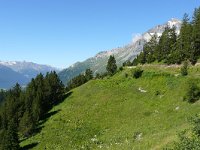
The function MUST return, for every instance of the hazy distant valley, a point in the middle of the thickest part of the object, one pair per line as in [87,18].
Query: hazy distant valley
[12,72]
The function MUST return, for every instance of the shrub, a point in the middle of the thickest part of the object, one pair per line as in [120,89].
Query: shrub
[184,69]
[196,125]
[189,141]
[121,68]
[157,93]
[126,75]
[193,92]
[137,72]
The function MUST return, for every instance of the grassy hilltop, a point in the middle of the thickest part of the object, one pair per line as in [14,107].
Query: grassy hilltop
[120,112]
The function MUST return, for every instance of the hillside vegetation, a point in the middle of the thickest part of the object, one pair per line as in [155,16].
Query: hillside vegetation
[120,112]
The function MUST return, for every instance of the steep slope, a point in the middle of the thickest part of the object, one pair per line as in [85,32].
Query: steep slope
[120,113]
[9,78]
[122,54]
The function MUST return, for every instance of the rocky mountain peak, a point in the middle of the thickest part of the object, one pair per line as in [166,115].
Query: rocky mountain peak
[122,54]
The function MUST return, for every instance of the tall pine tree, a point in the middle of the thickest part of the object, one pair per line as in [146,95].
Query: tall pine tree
[185,38]
[111,66]
[10,137]
[195,45]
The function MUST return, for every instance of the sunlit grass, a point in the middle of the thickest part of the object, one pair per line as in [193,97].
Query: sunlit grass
[114,114]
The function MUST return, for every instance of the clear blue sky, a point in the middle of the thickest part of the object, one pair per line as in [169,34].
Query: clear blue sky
[61,32]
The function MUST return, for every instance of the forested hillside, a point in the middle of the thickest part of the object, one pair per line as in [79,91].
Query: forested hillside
[171,48]
[21,110]
[151,102]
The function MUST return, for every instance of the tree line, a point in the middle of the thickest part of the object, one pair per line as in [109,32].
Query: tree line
[88,74]
[80,79]
[171,48]
[22,109]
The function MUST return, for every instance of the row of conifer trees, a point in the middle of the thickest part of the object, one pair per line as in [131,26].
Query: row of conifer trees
[171,48]
[22,109]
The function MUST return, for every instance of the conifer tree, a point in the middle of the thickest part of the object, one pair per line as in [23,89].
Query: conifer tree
[150,48]
[195,45]
[166,43]
[11,139]
[111,66]
[136,61]
[38,106]
[143,56]
[88,74]
[185,39]
[26,124]
[54,89]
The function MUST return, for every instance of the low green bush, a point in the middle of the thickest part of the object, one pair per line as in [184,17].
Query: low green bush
[121,68]
[193,92]
[189,141]
[184,69]
[137,72]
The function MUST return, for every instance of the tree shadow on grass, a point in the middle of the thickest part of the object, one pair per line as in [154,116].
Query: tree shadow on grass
[29,146]
[63,98]
[42,121]
[47,116]
[50,114]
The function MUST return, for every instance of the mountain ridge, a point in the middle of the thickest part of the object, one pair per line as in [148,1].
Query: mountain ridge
[128,52]
[9,77]
[21,72]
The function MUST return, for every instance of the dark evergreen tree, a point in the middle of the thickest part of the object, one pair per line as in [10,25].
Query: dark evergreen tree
[184,39]
[143,56]
[136,61]
[12,104]
[22,109]
[148,54]
[54,90]
[2,96]
[111,66]
[27,124]
[38,105]
[151,48]
[88,74]
[127,63]
[184,69]
[195,44]
[166,44]
[76,81]
[10,138]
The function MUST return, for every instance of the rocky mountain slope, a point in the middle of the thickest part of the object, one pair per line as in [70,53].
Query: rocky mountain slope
[122,54]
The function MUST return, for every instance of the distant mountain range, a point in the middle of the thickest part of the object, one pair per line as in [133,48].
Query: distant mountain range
[22,72]
[98,63]
[12,72]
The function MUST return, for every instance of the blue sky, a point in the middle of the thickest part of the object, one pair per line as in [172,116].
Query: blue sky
[61,32]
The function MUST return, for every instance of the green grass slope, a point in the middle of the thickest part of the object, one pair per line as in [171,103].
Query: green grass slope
[120,113]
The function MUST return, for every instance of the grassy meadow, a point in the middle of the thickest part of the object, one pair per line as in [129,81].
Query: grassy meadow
[120,112]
